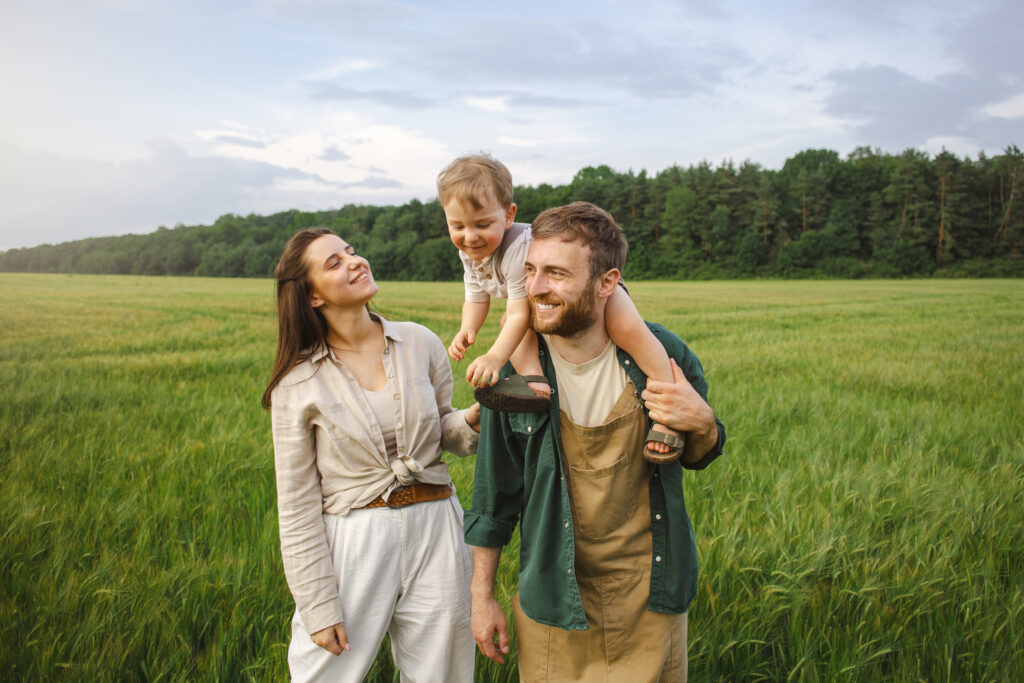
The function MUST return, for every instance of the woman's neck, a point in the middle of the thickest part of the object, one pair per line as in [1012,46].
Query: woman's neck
[352,330]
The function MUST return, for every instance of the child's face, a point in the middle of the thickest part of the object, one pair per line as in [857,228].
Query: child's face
[478,232]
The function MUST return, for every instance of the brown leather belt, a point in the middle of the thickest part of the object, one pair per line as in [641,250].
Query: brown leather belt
[409,495]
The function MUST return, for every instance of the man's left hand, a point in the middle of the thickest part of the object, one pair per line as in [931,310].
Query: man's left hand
[679,406]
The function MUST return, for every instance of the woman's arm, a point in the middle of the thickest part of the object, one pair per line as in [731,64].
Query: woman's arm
[307,560]
[457,435]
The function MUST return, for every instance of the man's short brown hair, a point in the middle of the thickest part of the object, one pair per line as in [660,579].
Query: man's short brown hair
[591,225]
[470,179]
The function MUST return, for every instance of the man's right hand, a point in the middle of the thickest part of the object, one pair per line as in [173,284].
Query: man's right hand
[488,619]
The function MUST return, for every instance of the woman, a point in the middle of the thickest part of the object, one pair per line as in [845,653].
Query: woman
[371,530]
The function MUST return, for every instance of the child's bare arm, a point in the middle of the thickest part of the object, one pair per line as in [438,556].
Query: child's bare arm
[474,313]
[485,369]
[629,332]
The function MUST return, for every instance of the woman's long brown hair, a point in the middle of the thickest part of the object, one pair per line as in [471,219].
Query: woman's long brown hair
[300,327]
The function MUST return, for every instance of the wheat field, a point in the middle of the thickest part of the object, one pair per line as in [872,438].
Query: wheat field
[866,522]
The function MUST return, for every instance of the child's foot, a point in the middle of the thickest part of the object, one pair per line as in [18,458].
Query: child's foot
[663,444]
[540,388]
[514,394]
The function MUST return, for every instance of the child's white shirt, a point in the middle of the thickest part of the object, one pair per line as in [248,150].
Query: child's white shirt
[502,274]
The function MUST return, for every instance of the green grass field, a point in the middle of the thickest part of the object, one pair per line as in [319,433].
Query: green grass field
[867,522]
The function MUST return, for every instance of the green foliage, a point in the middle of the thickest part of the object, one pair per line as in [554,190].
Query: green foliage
[872,214]
[866,523]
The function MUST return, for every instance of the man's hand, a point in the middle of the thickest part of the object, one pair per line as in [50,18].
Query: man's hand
[679,406]
[484,370]
[486,616]
[333,639]
[463,340]
[488,619]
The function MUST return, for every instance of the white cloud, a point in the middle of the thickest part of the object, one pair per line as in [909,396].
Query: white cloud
[342,68]
[53,199]
[518,142]
[1010,108]
[488,103]
[316,103]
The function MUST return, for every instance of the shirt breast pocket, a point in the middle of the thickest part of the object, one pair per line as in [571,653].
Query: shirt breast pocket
[421,403]
[525,425]
[344,423]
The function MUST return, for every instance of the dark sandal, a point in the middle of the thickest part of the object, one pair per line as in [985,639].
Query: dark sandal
[513,395]
[674,441]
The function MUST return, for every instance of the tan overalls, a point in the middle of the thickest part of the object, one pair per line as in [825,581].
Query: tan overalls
[608,488]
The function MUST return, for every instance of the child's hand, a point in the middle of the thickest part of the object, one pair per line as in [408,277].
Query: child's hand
[463,340]
[484,370]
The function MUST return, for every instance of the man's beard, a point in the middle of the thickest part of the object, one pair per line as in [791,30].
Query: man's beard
[576,315]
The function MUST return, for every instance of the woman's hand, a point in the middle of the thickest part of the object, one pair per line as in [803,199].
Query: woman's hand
[333,639]
[473,417]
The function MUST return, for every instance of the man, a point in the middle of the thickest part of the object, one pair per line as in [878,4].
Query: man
[608,562]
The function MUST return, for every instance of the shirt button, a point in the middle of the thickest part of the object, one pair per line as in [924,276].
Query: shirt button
[657,558]
[655,475]
[627,362]
[385,349]
[569,572]
[488,277]
[529,429]
[657,516]
[567,525]
[396,397]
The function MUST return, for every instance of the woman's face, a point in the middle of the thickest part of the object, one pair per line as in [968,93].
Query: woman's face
[338,278]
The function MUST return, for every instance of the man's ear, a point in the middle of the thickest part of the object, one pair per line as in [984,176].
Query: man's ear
[608,282]
[510,215]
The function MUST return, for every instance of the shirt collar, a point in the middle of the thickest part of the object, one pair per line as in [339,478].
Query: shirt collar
[390,332]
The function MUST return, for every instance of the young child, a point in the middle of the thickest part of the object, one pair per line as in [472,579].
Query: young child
[475,192]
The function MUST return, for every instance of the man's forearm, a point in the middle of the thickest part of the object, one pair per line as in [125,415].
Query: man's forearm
[485,571]
[700,442]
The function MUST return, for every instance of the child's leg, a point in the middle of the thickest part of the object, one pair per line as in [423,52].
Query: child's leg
[628,331]
[526,360]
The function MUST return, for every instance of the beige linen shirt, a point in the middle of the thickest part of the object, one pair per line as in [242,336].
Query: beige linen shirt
[501,275]
[330,456]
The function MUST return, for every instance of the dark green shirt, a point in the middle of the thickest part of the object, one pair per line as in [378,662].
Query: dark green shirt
[519,478]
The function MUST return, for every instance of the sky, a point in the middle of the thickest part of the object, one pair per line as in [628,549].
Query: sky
[120,116]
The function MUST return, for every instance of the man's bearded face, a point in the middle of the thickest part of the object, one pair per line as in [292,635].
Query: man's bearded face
[565,315]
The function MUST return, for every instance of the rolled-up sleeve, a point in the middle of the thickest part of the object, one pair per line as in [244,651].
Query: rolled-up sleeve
[497,485]
[307,560]
[456,435]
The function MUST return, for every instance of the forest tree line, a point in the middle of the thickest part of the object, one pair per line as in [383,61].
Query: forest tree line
[872,214]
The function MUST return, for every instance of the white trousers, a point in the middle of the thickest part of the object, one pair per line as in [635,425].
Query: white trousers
[404,572]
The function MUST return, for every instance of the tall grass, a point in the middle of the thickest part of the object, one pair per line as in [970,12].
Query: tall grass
[866,523]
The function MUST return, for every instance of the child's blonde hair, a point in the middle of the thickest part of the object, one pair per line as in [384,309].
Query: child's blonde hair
[471,178]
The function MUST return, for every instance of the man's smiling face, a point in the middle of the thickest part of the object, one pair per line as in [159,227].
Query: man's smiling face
[563,295]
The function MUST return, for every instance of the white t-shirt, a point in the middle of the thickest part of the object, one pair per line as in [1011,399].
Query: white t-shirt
[588,392]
